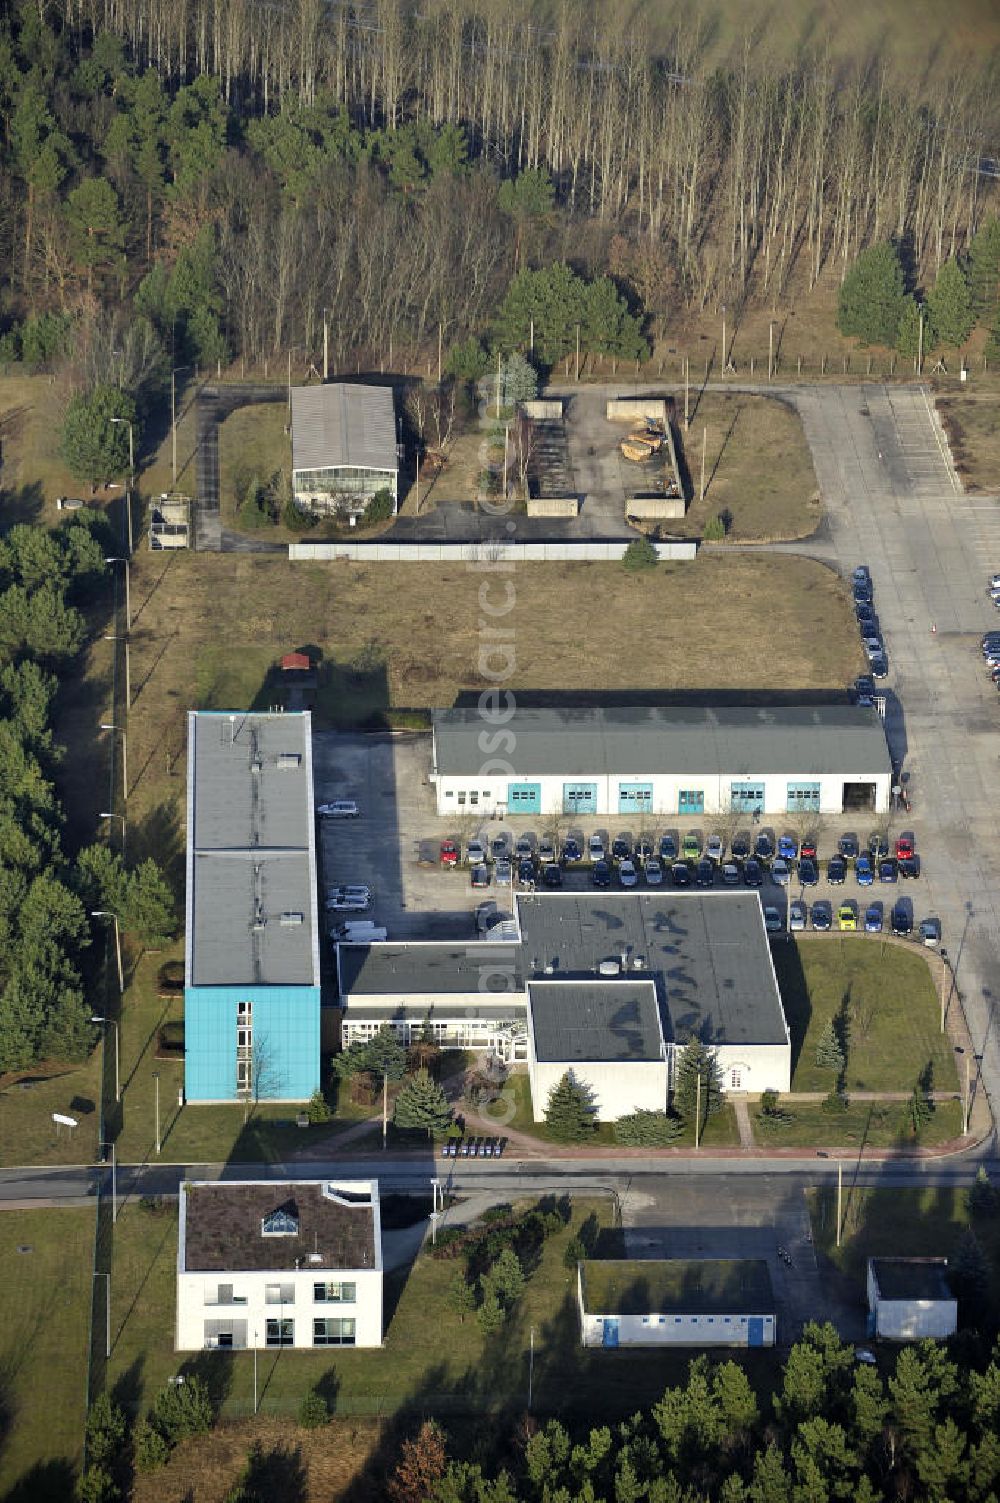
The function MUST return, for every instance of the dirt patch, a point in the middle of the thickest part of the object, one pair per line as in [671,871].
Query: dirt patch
[972,424]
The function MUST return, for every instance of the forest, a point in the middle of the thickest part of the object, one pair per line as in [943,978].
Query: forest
[221,177]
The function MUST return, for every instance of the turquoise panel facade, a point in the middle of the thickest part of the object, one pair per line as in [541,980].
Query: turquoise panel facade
[284,1052]
[524,798]
[635,798]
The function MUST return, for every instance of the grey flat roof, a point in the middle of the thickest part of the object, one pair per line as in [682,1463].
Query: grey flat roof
[677,1286]
[707,952]
[728,740]
[912,1278]
[595,1020]
[343,425]
[251,855]
[420,967]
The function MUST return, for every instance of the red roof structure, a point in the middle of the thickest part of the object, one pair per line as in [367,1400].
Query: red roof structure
[295,662]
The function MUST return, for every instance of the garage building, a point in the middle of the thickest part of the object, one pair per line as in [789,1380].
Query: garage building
[251,963]
[675,1302]
[343,447]
[910,1298]
[661,762]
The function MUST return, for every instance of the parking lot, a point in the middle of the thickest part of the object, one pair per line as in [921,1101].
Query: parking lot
[394,847]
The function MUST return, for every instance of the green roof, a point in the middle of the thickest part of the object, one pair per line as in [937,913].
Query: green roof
[677,1286]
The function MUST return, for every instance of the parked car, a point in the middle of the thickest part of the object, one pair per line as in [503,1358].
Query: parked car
[862,590]
[525,848]
[887,871]
[902,922]
[909,867]
[740,846]
[643,848]
[547,850]
[475,852]
[668,848]
[730,874]
[691,847]
[601,874]
[714,848]
[449,853]
[863,873]
[847,917]
[780,872]
[349,903]
[595,848]
[787,847]
[525,872]
[873,650]
[873,919]
[552,874]
[680,874]
[571,852]
[763,846]
[753,872]
[499,848]
[878,846]
[822,915]
[808,873]
[836,871]
[339,808]
[654,872]
[864,611]
[627,874]
[930,931]
[847,845]
[480,875]
[502,873]
[807,850]
[705,873]
[904,847]
[879,666]
[773,921]
[620,849]
[349,890]
[797,914]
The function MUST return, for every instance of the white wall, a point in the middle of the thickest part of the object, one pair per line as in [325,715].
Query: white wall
[619,1088]
[196,1293]
[674,1330]
[910,1320]
[762,1067]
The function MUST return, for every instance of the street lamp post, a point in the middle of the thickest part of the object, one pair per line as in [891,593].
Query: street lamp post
[111,637]
[107,725]
[920,340]
[114,1024]
[116,559]
[114,1179]
[107,1312]
[110,814]
[156,1090]
[723,339]
[131,475]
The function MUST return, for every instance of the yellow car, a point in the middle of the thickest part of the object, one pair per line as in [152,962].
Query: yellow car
[847,916]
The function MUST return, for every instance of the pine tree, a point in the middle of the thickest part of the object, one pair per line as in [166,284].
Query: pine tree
[829,1054]
[969,1270]
[422,1464]
[506,1277]
[949,304]
[984,271]
[697,1062]
[981,1199]
[872,297]
[569,1113]
[422,1104]
[461,1296]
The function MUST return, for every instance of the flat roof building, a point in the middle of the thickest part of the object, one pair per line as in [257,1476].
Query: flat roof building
[910,1298]
[343,446]
[252,965]
[636,761]
[676,1302]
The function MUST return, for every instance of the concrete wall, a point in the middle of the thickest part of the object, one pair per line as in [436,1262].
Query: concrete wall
[910,1319]
[664,804]
[543,409]
[619,1087]
[197,1292]
[676,1330]
[553,506]
[636,410]
[649,507]
[479,554]
[759,1067]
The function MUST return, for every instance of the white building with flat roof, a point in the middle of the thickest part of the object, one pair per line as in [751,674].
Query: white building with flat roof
[291,1263]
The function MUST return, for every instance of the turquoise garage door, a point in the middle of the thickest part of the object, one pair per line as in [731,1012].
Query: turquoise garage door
[524,798]
[635,798]
[579,798]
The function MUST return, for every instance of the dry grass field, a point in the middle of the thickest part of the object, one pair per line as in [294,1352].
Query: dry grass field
[972,422]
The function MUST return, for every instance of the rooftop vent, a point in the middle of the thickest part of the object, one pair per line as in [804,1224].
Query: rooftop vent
[256,766]
[609,968]
[315,1257]
[289,761]
[638,962]
[550,970]
[291,920]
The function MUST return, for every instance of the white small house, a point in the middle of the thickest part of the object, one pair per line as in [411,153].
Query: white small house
[296,1263]
[675,1302]
[910,1298]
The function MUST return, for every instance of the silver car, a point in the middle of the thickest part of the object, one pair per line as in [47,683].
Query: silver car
[475,852]
[780,872]
[501,873]
[797,917]
[715,848]
[595,848]
[627,874]
[654,872]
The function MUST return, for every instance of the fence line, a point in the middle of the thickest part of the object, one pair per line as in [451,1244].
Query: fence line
[480,552]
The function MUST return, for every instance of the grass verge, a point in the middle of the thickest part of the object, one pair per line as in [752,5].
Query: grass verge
[972,423]
[864,1124]
[45,1298]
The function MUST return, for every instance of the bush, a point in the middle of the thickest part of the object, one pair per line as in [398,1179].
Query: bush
[715,530]
[151,1450]
[318,1108]
[648,1129]
[575,1253]
[105,1431]
[297,520]
[379,509]
[96,1485]
[313,1411]
[640,554]
[835,1101]
[182,1409]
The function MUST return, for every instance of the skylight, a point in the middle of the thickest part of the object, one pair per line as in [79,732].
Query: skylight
[280,1223]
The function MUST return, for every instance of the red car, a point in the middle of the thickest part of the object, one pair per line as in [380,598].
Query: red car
[449,853]
[904,848]
[808,848]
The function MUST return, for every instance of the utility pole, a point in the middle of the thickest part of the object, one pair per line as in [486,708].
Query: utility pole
[110,637]
[840,1195]
[498,383]
[289,385]
[326,348]
[107,1311]
[440,335]
[578,352]
[704,446]
[697,1109]
[770,349]
[723,339]
[920,340]
[687,392]
[531,1367]
[156,1088]
[967,1102]
[531,338]
[131,476]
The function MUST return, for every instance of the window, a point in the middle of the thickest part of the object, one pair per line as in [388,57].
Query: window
[474,796]
[243,1074]
[281,1222]
[280,1333]
[336,1293]
[647,1320]
[736,1078]
[746,798]
[224,1338]
[449,793]
[691,801]
[461,798]
[335,1332]
[279,1294]
[803,798]
[244,1012]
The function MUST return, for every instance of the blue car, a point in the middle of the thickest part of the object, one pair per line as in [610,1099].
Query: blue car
[863,871]
[787,847]
[668,848]
[873,919]
[887,871]
[808,875]
[571,852]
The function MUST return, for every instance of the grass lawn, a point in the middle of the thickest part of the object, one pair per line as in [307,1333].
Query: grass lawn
[27,1133]
[757,467]
[865,1124]
[45,1298]
[429,1357]
[890,1004]
[883,1223]
[972,422]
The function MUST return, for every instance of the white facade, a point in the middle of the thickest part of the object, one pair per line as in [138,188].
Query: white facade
[619,1086]
[911,1318]
[307,1307]
[612,1329]
[753,1068]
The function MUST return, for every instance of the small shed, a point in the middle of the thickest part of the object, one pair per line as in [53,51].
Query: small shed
[910,1298]
[676,1302]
